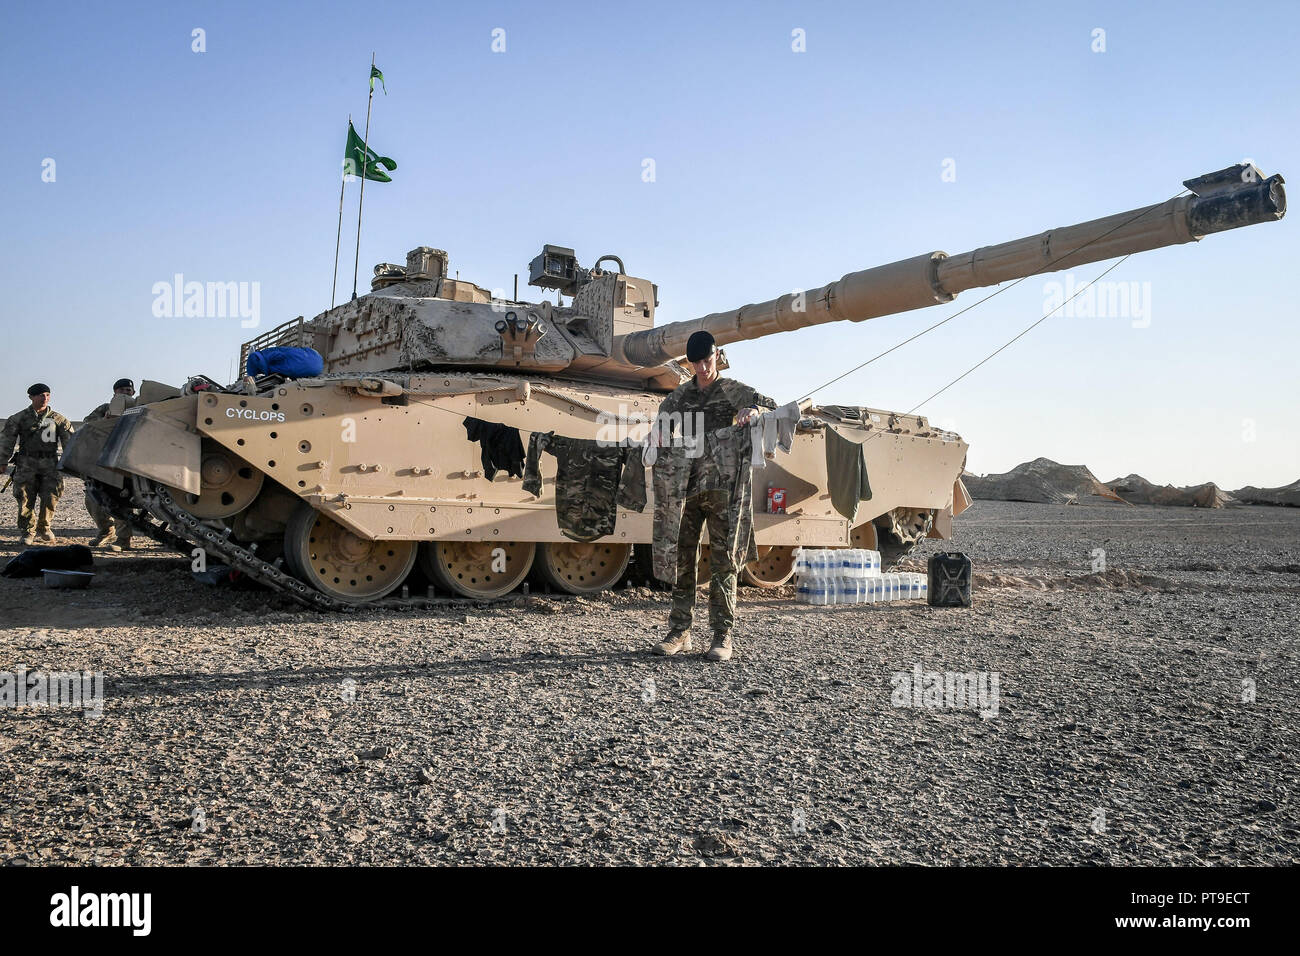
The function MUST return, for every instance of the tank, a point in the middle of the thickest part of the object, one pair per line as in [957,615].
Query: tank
[334,489]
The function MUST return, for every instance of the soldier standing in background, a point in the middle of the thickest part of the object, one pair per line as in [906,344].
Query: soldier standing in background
[33,436]
[114,530]
[708,500]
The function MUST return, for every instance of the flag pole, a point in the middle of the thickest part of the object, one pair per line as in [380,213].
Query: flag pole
[365,161]
[338,239]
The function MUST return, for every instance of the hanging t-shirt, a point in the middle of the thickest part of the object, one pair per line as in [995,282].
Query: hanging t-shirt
[846,473]
[502,449]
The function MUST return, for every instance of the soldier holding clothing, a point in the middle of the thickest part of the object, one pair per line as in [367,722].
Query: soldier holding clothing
[710,499]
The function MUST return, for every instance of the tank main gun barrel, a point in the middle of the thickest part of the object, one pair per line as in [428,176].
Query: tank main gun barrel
[1227,199]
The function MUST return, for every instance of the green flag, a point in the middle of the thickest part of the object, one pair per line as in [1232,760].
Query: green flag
[357,157]
[376,75]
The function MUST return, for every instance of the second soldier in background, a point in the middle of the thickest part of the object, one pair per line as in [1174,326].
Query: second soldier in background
[114,530]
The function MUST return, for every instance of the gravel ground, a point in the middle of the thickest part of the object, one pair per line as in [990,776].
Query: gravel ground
[540,730]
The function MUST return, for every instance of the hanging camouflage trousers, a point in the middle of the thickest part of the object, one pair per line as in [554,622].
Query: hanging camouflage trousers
[37,488]
[715,509]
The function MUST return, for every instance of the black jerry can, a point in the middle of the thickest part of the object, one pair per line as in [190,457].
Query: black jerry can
[949,580]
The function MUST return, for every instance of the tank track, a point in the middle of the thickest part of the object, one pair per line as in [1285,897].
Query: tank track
[123,506]
[143,522]
[895,557]
[177,528]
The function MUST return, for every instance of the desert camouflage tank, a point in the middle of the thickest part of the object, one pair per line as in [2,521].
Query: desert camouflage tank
[332,489]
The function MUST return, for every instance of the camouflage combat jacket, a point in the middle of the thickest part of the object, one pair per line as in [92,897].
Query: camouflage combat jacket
[717,407]
[36,437]
[101,411]
[592,481]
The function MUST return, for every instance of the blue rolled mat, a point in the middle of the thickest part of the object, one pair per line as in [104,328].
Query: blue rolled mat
[290,362]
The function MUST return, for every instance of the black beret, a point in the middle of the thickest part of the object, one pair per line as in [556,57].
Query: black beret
[699,346]
[38,388]
[124,383]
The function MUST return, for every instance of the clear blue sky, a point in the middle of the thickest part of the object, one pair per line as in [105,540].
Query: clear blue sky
[774,170]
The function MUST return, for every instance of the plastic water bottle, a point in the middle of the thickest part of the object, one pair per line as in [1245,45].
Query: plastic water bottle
[805,590]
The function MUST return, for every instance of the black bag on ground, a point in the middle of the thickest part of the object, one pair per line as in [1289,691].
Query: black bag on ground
[33,561]
[949,580]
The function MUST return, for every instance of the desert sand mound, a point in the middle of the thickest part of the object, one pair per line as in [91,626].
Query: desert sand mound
[1286,495]
[1137,490]
[1041,480]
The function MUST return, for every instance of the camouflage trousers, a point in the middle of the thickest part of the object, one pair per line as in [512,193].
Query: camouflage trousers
[711,507]
[37,489]
[105,520]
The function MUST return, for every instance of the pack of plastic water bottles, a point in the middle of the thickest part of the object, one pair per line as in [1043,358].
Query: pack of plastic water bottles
[852,576]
